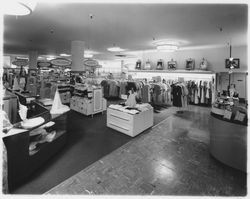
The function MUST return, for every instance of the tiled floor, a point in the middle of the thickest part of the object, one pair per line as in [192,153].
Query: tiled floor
[170,159]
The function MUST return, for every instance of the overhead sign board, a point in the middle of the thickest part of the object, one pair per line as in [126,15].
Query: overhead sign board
[90,63]
[20,62]
[43,64]
[60,62]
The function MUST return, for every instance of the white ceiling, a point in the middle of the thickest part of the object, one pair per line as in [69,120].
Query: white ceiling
[51,27]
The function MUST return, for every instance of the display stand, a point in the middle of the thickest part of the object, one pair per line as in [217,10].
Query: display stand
[64,92]
[129,124]
[24,160]
[91,105]
[228,140]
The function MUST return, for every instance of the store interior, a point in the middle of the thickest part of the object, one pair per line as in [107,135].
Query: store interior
[125,98]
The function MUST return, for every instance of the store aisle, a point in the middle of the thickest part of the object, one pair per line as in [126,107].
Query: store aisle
[88,141]
[172,159]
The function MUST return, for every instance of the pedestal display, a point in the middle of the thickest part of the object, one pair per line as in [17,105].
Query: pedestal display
[88,101]
[130,121]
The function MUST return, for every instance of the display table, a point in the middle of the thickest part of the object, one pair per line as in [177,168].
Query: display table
[228,140]
[89,106]
[25,98]
[130,124]
[24,160]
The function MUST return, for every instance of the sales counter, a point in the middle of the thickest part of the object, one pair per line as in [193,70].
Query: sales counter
[228,136]
[25,150]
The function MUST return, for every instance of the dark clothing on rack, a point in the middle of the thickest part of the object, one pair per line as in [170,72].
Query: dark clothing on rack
[177,96]
[131,85]
[105,86]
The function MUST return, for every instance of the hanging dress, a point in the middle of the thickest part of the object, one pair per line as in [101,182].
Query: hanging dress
[196,98]
[202,94]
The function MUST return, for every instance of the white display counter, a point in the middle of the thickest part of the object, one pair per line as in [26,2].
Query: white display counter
[129,124]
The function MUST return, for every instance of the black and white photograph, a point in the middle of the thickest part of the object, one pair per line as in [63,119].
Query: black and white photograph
[94,104]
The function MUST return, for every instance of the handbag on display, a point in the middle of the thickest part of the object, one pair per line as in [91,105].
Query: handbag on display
[190,64]
[138,64]
[203,64]
[159,65]
[172,65]
[147,65]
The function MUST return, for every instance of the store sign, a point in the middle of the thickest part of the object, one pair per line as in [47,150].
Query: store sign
[60,62]
[20,62]
[99,66]
[43,64]
[90,63]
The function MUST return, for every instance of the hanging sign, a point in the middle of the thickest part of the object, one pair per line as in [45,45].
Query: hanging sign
[43,64]
[60,62]
[90,63]
[20,62]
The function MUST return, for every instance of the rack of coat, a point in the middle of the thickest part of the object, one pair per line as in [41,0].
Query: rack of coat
[161,94]
[200,92]
[180,94]
[110,88]
[120,88]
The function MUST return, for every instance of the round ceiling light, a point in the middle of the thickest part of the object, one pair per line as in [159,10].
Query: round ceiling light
[167,48]
[167,45]
[88,55]
[19,7]
[115,49]
[65,55]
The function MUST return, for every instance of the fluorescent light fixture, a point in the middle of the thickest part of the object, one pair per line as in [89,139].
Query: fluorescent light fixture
[88,55]
[115,49]
[50,57]
[64,55]
[167,48]
[19,7]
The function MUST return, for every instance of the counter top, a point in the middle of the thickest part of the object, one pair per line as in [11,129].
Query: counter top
[44,112]
[219,114]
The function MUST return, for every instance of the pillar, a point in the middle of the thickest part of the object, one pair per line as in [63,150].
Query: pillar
[77,55]
[33,60]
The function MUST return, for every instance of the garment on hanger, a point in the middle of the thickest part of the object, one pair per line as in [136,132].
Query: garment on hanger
[145,93]
[105,86]
[196,98]
[15,84]
[202,99]
[177,95]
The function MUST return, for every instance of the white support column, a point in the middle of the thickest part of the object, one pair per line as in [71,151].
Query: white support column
[33,60]
[77,53]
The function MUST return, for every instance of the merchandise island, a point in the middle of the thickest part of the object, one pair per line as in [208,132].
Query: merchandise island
[130,121]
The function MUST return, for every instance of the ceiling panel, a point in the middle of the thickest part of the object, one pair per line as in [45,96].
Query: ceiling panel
[52,27]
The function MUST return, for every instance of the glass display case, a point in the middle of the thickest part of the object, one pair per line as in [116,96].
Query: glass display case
[228,132]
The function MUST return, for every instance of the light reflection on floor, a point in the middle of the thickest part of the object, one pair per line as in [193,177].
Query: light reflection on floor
[171,159]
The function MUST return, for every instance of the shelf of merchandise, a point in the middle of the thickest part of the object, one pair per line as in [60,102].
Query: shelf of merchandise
[173,74]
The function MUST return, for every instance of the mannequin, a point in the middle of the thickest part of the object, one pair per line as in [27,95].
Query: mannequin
[131,101]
